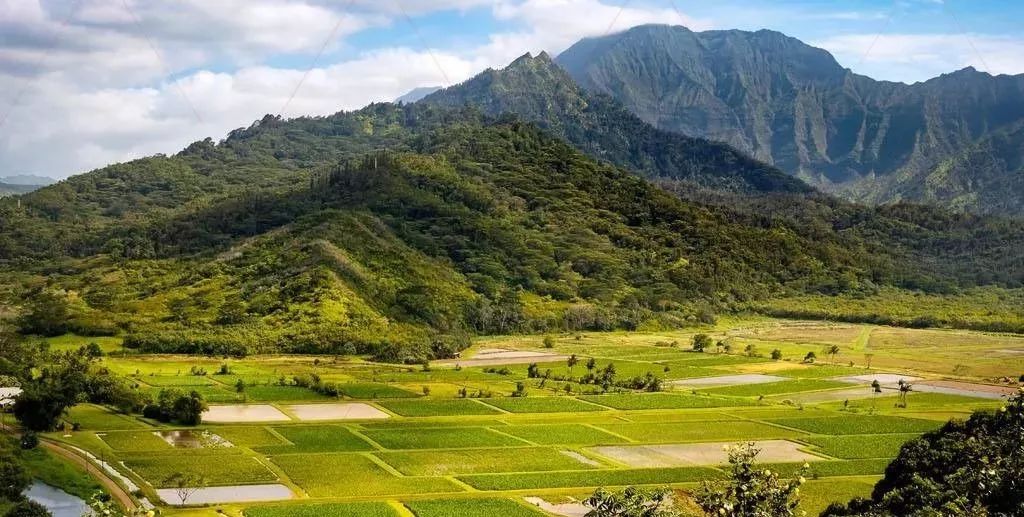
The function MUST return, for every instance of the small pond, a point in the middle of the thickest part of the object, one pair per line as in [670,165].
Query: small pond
[187,439]
[59,502]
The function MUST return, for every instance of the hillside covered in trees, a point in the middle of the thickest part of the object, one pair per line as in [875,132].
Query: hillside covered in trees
[402,230]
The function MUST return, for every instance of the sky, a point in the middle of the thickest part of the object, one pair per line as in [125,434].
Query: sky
[86,83]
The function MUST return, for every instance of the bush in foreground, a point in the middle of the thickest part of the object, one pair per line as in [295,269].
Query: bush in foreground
[971,468]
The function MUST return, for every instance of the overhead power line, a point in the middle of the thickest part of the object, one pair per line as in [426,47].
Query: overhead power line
[316,59]
[160,60]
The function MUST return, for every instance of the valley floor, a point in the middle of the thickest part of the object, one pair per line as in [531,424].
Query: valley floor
[403,441]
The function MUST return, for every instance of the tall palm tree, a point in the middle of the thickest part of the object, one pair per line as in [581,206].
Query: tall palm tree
[833,351]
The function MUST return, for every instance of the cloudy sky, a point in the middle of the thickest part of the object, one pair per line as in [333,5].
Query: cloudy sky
[84,83]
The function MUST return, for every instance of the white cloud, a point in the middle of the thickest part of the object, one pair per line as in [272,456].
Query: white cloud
[554,25]
[917,57]
[96,93]
[62,130]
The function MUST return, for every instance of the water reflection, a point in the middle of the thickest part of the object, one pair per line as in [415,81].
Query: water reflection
[59,502]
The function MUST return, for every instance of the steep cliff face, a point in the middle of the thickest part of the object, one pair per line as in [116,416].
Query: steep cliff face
[794,106]
[538,90]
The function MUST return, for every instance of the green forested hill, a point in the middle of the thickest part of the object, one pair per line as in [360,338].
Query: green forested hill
[949,140]
[402,229]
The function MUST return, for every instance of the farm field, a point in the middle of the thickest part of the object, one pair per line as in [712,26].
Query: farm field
[451,440]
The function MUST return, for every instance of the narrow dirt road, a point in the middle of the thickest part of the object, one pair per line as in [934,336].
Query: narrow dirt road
[109,485]
[97,472]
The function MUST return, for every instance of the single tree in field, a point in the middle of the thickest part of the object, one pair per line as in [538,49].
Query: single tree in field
[810,357]
[905,389]
[591,364]
[876,388]
[701,342]
[631,502]
[752,490]
[833,351]
[777,354]
[750,350]
[185,484]
[720,347]
[571,362]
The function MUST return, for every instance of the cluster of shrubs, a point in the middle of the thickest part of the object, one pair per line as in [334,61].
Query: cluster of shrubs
[313,382]
[478,394]
[605,378]
[173,405]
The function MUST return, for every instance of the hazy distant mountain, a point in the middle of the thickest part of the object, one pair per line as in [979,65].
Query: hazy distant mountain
[6,189]
[954,140]
[538,90]
[22,184]
[417,93]
[28,179]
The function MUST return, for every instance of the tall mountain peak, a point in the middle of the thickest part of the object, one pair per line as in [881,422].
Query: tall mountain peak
[540,91]
[794,106]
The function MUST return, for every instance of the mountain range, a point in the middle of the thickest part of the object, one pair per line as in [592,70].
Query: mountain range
[955,140]
[514,202]
[536,89]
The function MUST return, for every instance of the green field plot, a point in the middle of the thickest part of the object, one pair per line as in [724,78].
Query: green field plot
[706,360]
[217,471]
[561,434]
[686,371]
[819,371]
[97,418]
[373,390]
[472,508]
[861,446]
[211,393]
[316,438]
[477,461]
[274,393]
[590,478]
[776,388]
[324,510]
[816,495]
[430,407]
[346,474]
[134,441]
[177,381]
[917,401]
[72,342]
[674,416]
[857,424]
[699,431]
[248,436]
[623,368]
[542,405]
[429,423]
[663,401]
[862,467]
[230,380]
[441,438]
